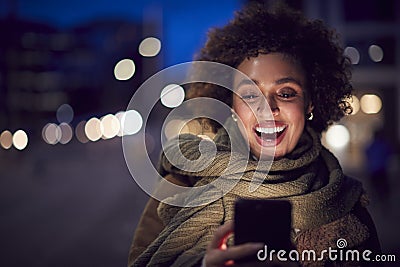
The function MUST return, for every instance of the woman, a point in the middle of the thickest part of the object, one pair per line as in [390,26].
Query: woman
[302,79]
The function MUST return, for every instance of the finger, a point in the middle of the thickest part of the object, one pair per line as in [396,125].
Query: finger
[220,235]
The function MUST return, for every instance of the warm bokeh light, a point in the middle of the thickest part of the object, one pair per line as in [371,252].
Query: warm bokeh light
[337,136]
[353,54]
[66,133]
[174,128]
[132,122]
[44,132]
[6,139]
[371,104]
[109,126]
[80,132]
[119,115]
[65,113]
[124,69]
[20,139]
[51,133]
[355,104]
[375,53]
[150,47]
[92,129]
[172,95]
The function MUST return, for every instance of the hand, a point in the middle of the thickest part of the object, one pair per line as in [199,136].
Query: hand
[219,254]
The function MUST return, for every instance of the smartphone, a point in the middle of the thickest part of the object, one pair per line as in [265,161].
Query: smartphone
[265,221]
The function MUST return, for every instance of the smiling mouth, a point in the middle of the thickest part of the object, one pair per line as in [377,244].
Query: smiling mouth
[270,133]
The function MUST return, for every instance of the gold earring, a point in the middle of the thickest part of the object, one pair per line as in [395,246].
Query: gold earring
[233,114]
[310,116]
[234,117]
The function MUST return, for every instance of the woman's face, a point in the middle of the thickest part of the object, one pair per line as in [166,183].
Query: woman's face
[280,84]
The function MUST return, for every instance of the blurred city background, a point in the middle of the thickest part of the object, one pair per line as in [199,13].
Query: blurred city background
[67,72]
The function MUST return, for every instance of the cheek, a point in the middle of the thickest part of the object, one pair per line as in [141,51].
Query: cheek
[296,116]
[242,110]
[244,114]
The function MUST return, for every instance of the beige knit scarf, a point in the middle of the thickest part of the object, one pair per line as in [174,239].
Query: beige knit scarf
[310,178]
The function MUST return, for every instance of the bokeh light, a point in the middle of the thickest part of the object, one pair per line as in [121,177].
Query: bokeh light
[65,113]
[66,133]
[6,139]
[51,133]
[93,129]
[124,69]
[119,115]
[80,132]
[132,122]
[172,95]
[337,136]
[355,104]
[150,47]
[109,126]
[375,53]
[20,139]
[353,54]
[371,104]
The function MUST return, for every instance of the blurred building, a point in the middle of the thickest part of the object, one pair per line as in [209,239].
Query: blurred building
[42,67]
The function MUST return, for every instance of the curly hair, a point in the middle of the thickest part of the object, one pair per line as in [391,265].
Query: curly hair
[257,29]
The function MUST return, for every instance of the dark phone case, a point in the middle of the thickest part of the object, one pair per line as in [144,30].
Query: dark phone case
[265,221]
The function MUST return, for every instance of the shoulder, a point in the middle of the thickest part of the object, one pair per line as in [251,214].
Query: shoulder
[353,231]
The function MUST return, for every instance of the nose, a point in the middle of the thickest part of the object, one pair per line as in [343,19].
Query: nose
[268,104]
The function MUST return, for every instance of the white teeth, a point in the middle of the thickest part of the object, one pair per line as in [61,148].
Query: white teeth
[270,130]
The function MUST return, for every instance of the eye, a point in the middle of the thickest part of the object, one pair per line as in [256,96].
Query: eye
[287,93]
[249,96]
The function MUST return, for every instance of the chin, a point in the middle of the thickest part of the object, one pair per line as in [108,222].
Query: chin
[278,156]
[269,153]
[264,154]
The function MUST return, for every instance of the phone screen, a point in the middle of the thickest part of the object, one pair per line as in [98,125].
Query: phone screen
[265,221]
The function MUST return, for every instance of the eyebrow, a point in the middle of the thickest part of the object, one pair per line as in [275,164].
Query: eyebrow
[283,80]
[288,80]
